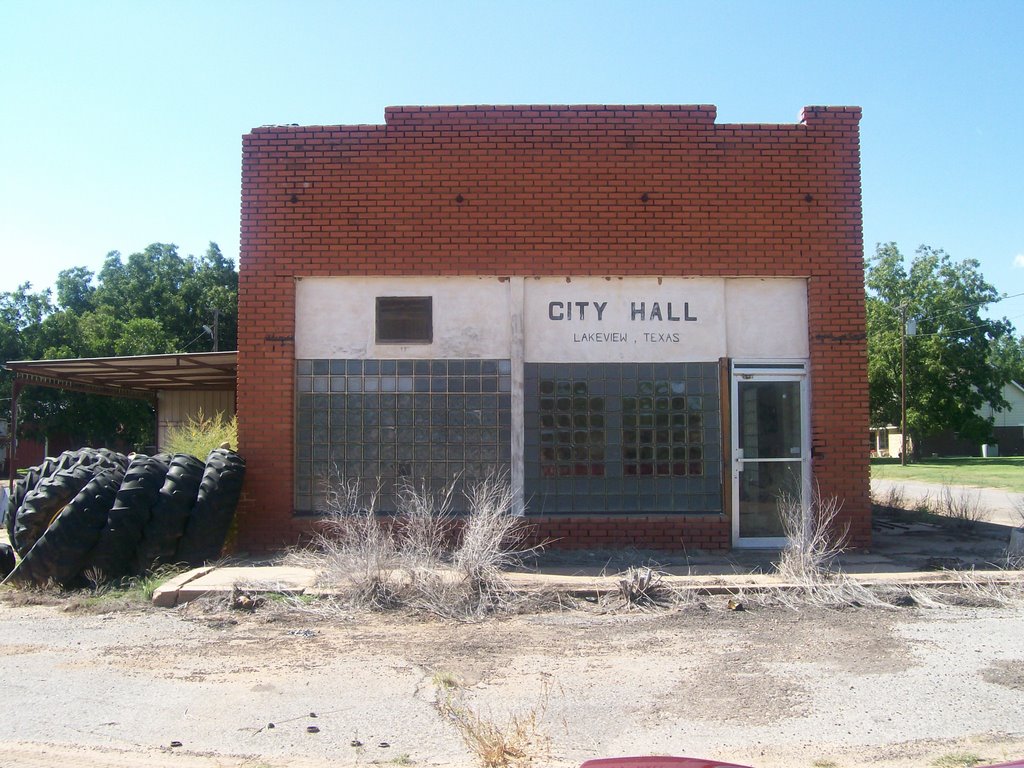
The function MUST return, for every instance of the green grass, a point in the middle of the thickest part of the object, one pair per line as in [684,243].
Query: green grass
[1004,472]
[957,760]
[133,592]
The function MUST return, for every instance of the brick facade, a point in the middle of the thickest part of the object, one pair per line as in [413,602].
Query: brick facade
[553,191]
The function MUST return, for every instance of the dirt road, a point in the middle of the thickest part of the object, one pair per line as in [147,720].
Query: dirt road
[769,687]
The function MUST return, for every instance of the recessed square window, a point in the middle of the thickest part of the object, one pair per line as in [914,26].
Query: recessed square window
[405,319]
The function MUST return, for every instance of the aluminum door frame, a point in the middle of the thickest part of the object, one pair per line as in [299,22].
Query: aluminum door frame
[767,371]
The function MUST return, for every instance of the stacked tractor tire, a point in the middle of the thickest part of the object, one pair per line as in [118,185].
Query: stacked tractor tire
[95,515]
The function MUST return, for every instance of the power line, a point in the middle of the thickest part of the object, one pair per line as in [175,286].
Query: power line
[960,330]
[969,306]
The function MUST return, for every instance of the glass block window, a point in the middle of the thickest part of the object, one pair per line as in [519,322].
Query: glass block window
[572,429]
[623,437]
[663,431]
[430,422]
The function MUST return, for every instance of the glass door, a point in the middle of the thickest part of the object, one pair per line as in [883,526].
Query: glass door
[770,452]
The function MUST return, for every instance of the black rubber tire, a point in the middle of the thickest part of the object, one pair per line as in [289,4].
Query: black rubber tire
[96,458]
[67,460]
[58,555]
[102,458]
[47,467]
[43,504]
[14,499]
[7,560]
[114,554]
[210,518]
[170,513]
[22,486]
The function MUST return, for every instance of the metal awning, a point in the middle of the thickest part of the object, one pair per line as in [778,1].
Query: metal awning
[140,376]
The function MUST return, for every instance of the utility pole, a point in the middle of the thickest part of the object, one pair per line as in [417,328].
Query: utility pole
[214,332]
[902,395]
[906,329]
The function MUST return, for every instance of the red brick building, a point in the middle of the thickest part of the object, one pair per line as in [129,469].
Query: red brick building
[652,321]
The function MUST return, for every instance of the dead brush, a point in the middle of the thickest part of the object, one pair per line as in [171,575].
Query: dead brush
[491,534]
[837,592]
[991,589]
[813,538]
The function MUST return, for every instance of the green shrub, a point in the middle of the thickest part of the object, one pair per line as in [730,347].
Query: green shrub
[201,434]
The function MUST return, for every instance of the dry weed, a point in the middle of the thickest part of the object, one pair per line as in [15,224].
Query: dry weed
[989,588]
[518,741]
[428,559]
[427,523]
[893,498]
[491,534]
[468,582]
[1015,549]
[353,549]
[813,538]
[643,587]
[961,505]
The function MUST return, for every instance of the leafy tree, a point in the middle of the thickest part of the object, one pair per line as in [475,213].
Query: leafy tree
[949,375]
[1008,357]
[21,318]
[75,290]
[154,302]
[181,294]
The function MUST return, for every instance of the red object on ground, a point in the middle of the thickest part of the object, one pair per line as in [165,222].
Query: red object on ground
[660,761]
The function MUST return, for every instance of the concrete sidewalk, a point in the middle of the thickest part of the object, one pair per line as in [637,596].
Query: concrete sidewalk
[254,580]
[903,551]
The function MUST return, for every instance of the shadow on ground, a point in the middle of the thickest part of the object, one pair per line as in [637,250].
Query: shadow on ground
[902,542]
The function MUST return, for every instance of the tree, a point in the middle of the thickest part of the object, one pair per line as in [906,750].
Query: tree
[154,302]
[180,293]
[1008,357]
[949,374]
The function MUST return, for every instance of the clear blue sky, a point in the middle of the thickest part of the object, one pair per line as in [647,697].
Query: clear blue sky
[121,122]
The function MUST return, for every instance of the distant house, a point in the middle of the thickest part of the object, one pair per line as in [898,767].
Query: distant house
[1007,429]
[1013,416]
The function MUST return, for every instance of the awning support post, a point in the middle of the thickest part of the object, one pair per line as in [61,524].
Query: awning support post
[13,443]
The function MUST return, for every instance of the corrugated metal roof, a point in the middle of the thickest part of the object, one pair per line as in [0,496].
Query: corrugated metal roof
[136,376]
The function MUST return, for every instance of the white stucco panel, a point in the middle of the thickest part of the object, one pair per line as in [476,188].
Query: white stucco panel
[767,317]
[334,317]
[634,319]
[579,319]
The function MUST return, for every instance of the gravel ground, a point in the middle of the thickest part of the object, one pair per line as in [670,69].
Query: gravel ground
[765,686]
